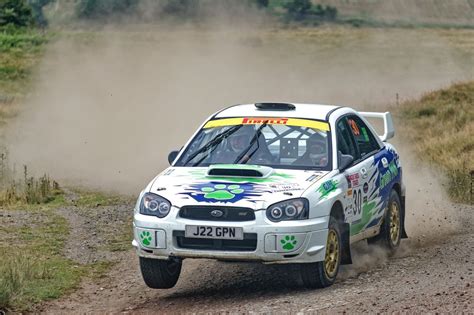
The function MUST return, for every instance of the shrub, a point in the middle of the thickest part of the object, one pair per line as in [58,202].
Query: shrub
[298,9]
[29,190]
[15,13]
[93,9]
[37,11]
[303,10]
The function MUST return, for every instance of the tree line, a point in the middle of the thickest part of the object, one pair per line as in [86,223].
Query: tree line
[30,13]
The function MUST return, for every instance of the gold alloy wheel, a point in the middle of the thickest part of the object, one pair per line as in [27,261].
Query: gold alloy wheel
[331,260]
[394,223]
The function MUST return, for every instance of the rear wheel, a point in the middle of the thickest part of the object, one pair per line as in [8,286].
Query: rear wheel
[322,274]
[160,274]
[391,229]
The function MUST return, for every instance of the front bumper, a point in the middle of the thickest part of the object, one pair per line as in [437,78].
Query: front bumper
[299,241]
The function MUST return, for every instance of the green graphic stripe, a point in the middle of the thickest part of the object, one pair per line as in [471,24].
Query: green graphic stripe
[367,214]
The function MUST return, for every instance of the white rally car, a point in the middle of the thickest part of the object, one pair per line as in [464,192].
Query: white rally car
[275,183]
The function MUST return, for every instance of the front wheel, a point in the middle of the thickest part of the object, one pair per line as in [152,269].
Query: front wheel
[391,229]
[160,274]
[323,274]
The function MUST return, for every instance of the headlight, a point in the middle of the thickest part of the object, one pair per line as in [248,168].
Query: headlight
[152,204]
[293,209]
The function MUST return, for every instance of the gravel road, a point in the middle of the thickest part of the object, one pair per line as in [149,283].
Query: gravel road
[428,274]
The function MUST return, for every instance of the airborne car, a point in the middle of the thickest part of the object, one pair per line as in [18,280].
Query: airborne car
[276,183]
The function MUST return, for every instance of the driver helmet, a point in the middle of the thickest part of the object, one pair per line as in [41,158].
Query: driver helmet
[240,139]
[316,147]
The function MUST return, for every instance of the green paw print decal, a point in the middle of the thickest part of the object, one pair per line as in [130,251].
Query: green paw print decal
[222,192]
[289,242]
[146,238]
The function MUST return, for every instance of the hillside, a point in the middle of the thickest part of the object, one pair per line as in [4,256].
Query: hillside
[425,12]
[449,148]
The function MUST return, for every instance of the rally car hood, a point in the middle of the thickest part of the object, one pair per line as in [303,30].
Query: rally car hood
[232,185]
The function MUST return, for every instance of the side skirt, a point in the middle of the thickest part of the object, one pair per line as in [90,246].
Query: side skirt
[370,232]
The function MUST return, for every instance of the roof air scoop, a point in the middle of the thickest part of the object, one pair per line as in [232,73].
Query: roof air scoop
[239,170]
[275,106]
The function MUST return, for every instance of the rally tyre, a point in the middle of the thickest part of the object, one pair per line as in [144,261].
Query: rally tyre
[323,273]
[391,229]
[160,274]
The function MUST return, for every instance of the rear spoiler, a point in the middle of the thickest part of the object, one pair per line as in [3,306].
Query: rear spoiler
[389,130]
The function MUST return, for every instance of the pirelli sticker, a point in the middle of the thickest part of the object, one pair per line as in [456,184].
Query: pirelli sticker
[297,122]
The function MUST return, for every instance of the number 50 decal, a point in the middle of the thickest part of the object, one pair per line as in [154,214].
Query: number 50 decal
[357,196]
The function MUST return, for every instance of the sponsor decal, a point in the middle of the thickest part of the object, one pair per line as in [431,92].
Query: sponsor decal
[389,175]
[223,191]
[314,124]
[353,179]
[288,242]
[327,187]
[349,211]
[285,187]
[349,192]
[260,120]
[146,238]
[366,188]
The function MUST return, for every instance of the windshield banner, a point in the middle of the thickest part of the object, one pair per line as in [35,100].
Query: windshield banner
[314,124]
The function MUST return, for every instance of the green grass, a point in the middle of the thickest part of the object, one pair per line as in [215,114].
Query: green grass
[20,53]
[92,199]
[441,127]
[33,267]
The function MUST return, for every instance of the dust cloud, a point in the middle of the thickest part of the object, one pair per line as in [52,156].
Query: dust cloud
[108,106]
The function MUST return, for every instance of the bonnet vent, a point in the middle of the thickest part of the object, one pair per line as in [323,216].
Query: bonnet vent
[237,170]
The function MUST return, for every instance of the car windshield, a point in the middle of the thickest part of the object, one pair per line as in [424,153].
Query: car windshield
[275,142]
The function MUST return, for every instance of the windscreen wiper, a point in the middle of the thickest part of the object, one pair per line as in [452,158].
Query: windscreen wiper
[252,142]
[213,142]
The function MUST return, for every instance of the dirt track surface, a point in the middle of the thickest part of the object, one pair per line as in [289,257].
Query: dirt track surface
[428,274]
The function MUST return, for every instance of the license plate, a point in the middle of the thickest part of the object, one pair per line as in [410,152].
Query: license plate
[217,232]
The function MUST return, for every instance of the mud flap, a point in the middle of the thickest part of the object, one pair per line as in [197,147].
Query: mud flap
[346,258]
[404,233]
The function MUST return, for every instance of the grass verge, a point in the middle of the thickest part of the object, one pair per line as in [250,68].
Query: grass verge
[33,237]
[33,268]
[441,127]
[20,54]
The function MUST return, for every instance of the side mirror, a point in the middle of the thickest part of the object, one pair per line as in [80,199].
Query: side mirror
[172,156]
[344,160]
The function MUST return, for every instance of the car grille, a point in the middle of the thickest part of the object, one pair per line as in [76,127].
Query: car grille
[235,214]
[248,244]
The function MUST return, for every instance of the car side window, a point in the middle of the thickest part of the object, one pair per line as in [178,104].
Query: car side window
[364,138]
[344,141]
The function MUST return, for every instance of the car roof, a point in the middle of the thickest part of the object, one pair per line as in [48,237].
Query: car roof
[309,111]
